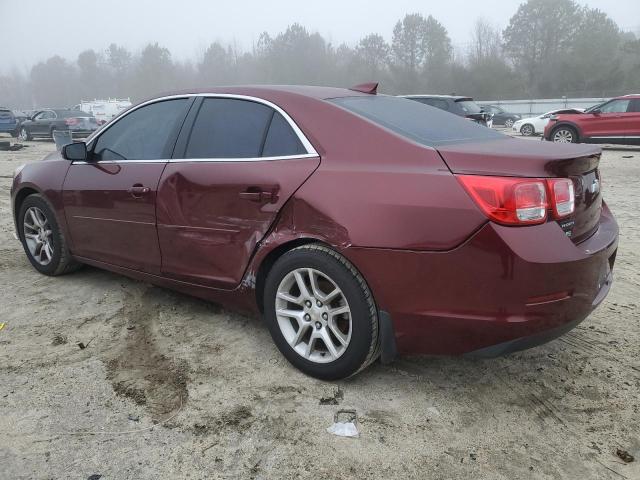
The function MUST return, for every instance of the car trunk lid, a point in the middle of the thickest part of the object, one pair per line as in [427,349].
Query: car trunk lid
[512,157]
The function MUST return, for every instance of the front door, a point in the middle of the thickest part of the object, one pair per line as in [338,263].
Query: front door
[218,198]
[110,200]
[609,124]
[42,122]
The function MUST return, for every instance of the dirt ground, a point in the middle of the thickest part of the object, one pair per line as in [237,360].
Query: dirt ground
[173,387]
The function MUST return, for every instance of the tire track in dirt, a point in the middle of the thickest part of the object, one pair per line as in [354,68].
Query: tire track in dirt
[138,369]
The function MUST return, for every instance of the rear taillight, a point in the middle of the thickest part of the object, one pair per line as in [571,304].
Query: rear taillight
[508,200]
[71,121]
[520,201]
[564,201]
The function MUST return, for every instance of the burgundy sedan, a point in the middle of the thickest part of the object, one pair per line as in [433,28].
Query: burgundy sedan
[359,225]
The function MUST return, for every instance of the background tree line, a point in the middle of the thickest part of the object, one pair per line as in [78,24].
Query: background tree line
[550,48]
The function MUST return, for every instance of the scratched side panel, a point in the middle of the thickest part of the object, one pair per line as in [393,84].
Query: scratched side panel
[207,232]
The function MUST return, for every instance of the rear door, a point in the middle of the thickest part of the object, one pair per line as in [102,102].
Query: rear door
[633,122]
[110,200]
[234,170]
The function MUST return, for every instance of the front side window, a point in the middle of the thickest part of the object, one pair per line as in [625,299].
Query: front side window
[615,106]
[234,128]
[46,115]
[415,121]
[147,133]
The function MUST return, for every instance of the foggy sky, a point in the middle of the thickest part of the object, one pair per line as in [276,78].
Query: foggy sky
[187,27]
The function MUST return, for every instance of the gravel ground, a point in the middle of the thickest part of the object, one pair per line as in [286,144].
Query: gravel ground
[172,387]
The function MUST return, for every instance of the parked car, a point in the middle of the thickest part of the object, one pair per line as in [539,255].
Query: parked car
[359,225]
[104,110]
[501,116]
[615,121]
[535,125]
[8,122]
[462,106]
[44,122]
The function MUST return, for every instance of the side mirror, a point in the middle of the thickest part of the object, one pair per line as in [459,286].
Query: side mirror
[75,152]
[596,111]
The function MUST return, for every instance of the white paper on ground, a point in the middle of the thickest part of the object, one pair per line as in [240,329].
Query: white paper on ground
[347,429]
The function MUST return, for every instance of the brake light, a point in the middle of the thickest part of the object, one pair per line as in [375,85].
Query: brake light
[563,196]
[508,200]
[521,201]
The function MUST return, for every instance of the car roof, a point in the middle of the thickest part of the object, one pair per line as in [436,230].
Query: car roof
[632,96]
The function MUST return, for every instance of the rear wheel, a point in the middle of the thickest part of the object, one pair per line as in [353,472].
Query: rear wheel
[564,135]
[321,313]
[527,130]
[508,123]
[42,239]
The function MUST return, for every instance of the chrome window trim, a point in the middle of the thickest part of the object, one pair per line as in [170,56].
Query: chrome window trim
[301,136]
[209,160]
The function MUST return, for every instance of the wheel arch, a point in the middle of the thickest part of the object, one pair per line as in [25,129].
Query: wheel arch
[561,124]
[19,199]
[269,260]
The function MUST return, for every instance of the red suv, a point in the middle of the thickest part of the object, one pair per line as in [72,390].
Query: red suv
[616,121]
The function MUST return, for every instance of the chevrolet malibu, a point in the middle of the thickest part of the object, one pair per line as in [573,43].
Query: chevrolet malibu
[361,226]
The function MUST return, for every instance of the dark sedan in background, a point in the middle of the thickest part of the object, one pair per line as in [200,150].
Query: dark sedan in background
[458,105]
[501,116]
[44,122]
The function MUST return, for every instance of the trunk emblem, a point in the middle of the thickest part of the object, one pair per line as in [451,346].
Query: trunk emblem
[595,186]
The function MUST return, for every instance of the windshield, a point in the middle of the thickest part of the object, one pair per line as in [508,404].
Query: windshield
[469,106]
[416,121]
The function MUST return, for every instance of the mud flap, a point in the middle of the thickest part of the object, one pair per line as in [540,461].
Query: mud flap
[388,347]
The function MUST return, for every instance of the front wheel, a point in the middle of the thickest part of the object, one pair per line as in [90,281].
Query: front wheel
[24,135]
[508,123]
[42,239]
[321,313]
[564,135]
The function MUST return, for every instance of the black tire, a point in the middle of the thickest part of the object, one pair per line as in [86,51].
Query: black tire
[527,130]
[363,348]
[565,132]
[61,261]
[25,135]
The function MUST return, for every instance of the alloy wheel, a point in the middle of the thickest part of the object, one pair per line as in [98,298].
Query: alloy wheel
[563,136]
[37,235]
[526,130]
[23,134]
[313,315]
[508,123]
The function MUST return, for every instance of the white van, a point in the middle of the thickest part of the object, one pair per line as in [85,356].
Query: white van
[104,110]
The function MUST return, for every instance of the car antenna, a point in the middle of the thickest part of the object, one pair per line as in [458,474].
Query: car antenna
[371,88]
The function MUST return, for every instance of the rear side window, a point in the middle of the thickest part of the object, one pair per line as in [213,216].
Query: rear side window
[281,139]
[229,128]
[634,106]
[415,121]
[147,133]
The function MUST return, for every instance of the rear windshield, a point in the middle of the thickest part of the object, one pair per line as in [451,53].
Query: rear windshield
[416,121]
[72,113]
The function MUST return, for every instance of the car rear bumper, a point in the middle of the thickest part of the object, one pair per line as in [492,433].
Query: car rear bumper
[504,289]
[8,127]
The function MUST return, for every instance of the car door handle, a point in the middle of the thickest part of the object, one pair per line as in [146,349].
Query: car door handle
[256,195]
[138,190]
